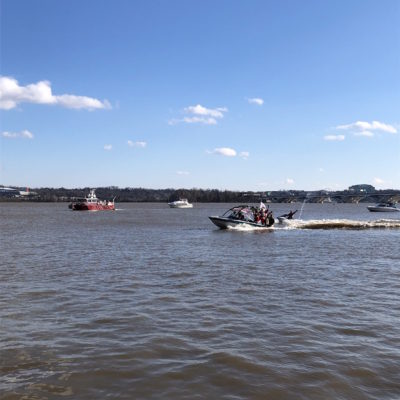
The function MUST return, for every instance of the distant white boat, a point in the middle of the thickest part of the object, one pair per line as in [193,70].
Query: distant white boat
[383,207]
[181,203]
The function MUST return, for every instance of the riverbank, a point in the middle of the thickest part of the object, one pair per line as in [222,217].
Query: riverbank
[195,195]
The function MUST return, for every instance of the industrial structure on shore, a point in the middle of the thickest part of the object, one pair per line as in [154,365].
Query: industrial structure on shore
[15,193]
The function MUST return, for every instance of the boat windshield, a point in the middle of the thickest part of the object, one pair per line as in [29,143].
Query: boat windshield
[386,205]
[241,212]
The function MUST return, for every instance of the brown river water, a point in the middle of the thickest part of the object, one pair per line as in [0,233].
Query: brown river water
[149,302]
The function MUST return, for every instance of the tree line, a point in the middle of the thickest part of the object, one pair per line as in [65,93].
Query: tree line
[205,195]
[136,194]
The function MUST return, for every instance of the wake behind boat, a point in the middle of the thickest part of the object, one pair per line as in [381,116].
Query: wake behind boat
[286,217]
[242,216]
[339,223]
[383,207]
[92,203]
[181,203]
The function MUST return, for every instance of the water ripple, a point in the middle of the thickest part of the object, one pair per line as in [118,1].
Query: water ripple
[130,305]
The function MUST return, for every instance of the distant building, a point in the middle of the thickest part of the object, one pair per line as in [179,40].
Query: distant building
[362,189]
[8,192]
[12,192]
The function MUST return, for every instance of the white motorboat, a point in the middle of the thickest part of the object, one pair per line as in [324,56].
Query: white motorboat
[383,207]
[181,203]
[243,215]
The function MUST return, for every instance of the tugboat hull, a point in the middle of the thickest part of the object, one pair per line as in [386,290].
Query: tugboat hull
[92,203]
[93,207]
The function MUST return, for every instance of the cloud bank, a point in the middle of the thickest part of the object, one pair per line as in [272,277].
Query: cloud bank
[12,94]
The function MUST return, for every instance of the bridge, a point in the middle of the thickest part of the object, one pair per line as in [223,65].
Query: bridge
[324,197]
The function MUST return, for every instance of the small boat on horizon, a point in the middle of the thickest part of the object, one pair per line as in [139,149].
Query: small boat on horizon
[181,203]
[383,207]
[242,216]
[92,203]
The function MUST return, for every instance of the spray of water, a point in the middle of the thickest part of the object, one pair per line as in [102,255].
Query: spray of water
[302,207]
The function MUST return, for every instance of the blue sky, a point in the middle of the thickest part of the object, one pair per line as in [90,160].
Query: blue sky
[241,95]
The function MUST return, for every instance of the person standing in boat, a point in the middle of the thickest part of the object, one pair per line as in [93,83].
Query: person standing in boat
[262,216]
[269,219]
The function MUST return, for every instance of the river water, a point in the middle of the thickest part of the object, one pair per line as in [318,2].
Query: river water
[149,302]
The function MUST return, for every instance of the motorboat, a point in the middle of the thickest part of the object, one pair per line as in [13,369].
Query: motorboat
[242,216]
[92,203]
[181,203]
[383,207]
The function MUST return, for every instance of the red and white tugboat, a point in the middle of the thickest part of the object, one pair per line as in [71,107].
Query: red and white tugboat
[92,203]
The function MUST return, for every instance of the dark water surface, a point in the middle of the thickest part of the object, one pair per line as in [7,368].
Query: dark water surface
[155,303]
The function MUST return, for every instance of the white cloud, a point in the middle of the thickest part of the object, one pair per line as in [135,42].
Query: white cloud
[202,120]
[71,101]
[360,127]
[200,110]
[334,137]
[256,100]
[200,114]
[11,94]
[108,147]
[136,144]
[289,181]
[229,152]
[182,172]
[379,181]
[25,134]
[224,151]
[364,133]
[244,154]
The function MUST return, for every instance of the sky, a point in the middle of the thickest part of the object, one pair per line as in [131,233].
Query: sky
[230,95]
